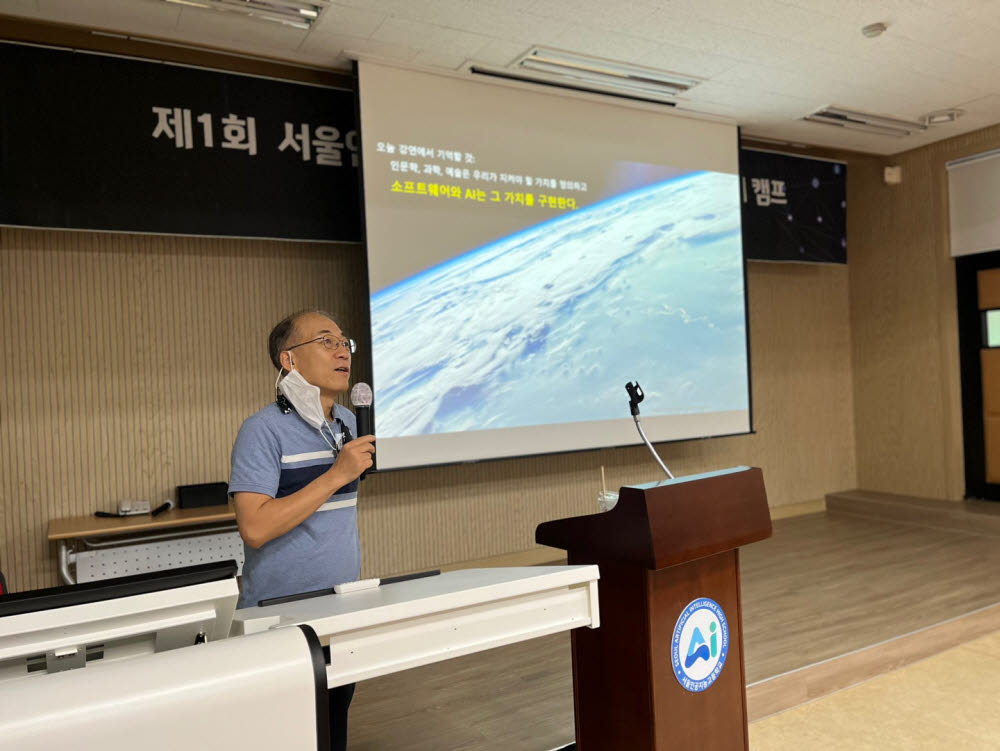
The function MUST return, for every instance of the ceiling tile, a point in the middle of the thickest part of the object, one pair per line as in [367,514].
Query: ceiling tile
[767,62]
[348,21]
[770,17]
[430,37]
[691,32]
[440,59]
[513,26]
[624,16]
[425,11]
[710,108]
[979,42]
[971,13]
[606,44]
[500,53]
[845,39]
[151,17]
[234,31]
[324,58]
[748,97]
[335,44]
[681,60]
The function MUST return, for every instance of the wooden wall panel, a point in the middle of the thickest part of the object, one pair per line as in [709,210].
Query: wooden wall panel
[908,412]
[990,362]
[129,362]
[991,439]
[988,284]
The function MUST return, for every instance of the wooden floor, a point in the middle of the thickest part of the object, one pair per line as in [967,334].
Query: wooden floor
[824,585]
[944,703]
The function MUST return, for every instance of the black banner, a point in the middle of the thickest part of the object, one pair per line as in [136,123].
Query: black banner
[794,208]
[90,141]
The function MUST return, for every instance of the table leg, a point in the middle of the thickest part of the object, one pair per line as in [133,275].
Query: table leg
[65,556]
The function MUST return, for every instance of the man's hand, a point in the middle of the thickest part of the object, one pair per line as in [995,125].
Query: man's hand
[262,518]
[355,457]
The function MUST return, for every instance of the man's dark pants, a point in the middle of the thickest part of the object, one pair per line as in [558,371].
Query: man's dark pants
[340,699]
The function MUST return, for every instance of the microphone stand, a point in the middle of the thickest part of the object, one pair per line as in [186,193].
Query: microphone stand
[635,396]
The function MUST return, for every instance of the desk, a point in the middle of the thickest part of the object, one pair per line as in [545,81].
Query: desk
[411,623]
[210,532]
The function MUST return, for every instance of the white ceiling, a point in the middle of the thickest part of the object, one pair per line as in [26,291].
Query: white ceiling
[766,62]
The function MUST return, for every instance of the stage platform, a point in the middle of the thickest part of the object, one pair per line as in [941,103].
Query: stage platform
[871,584]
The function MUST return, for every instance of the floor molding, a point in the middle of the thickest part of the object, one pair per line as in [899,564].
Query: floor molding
[974,517]
[798,509]
[781,692]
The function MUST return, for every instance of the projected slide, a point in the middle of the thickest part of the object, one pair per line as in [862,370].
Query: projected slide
[515,288]
[546,325]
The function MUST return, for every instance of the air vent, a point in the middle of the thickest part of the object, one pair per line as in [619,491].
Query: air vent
[863,121]
[941,117]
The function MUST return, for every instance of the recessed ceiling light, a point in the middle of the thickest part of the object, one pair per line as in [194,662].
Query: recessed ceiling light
[873,30]
[298,13]
[940,117]
[852,120]
[573,70]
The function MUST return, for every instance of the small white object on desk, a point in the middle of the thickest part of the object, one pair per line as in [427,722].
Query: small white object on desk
[129,507]
[605,500]
[360,584]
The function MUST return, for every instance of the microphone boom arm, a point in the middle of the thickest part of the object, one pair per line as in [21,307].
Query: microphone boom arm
[651,449]
[636,395]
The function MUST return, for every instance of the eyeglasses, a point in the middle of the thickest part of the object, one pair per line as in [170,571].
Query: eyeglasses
[330,343]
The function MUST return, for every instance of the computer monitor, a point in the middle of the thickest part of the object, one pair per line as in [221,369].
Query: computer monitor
[60,628]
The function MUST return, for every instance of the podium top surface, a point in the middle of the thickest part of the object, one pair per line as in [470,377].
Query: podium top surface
[668,523]
[331,614]
[687,478]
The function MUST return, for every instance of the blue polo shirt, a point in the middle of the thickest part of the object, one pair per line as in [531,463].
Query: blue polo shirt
[277,454]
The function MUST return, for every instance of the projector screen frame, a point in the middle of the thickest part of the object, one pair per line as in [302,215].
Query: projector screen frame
[467,73]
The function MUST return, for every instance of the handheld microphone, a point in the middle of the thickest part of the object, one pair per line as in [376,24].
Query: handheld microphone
[635,396]
[361,400]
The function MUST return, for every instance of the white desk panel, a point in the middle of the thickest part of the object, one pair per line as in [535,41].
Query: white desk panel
[398,626]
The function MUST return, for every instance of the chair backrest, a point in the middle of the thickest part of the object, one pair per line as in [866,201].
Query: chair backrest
[199,696]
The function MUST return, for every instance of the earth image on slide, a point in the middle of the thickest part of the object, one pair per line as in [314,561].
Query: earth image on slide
[546,325]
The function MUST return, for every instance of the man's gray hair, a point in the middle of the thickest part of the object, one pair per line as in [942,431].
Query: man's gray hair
[284,330]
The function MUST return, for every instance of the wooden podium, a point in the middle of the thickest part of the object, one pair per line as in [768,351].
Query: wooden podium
[669,562]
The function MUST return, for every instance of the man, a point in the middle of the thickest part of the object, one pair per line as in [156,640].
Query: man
[294,477]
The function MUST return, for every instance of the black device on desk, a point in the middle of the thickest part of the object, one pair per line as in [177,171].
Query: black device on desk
[205,494]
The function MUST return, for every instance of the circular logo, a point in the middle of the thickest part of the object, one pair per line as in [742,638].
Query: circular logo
[700,644]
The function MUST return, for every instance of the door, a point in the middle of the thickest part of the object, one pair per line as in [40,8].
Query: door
[978,279]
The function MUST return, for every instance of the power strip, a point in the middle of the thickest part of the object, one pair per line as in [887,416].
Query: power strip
[132,508]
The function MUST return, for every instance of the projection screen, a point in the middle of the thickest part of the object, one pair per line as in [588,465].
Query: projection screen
[530,252]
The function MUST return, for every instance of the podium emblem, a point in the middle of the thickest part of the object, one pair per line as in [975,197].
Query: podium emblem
[700,644]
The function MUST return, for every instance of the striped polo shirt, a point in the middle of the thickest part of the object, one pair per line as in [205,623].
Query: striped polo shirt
[277,454]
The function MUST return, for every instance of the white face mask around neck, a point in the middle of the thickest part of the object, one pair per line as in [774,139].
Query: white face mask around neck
[304,397]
